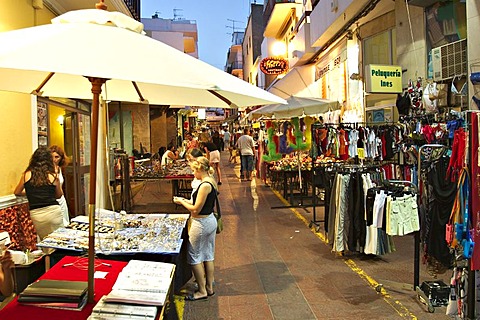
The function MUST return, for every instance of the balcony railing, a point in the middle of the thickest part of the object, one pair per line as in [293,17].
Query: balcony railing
[134,7]
[234,66]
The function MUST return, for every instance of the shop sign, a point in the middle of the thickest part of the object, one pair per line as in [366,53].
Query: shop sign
[383,79]
[274,65]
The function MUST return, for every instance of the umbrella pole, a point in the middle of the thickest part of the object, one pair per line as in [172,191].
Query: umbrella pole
[96,90]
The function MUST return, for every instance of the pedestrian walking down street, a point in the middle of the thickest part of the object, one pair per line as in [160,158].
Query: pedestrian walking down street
[213,155]
[226,139]
[246,145]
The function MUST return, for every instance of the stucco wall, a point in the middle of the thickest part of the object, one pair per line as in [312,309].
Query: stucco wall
[411,55]
[15,109]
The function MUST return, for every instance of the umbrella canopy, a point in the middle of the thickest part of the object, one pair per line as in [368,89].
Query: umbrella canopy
[103,52]
[263,111]
[162,74]
[296,107]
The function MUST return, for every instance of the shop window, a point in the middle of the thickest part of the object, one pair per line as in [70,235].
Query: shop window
[380,48]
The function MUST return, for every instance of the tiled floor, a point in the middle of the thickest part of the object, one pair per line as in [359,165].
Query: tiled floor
[271,265]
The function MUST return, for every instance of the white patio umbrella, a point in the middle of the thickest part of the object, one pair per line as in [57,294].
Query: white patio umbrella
[86,52]
[296,107]
[265,111]
[61,51]
[303,106]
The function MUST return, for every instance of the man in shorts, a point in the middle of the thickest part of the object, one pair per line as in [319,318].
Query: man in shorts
[246,145]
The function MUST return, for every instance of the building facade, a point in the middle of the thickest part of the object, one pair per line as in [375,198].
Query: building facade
[34,120]
[332,48]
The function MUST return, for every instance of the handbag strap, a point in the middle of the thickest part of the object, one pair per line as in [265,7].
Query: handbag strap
[217,204]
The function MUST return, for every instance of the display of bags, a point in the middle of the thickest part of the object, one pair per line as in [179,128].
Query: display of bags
[430,96]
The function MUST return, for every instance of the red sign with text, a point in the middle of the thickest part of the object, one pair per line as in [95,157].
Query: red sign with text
[274,65]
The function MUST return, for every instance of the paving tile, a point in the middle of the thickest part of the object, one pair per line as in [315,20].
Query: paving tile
[244,311]
[242,287]
[252,299]
[292,311]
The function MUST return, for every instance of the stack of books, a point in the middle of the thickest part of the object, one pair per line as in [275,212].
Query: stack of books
[59,294]
[143,282]
[117,311]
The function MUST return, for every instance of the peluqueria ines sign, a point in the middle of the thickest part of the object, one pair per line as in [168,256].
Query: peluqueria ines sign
[383,79]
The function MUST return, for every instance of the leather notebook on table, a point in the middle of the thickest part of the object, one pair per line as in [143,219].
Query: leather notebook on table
[58,289]
[55,303]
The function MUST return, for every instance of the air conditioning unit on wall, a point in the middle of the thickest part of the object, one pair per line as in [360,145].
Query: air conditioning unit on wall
[449,60]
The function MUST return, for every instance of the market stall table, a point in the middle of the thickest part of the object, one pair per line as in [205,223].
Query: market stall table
[64,271]
[287,181]
[178,173]
[123,237]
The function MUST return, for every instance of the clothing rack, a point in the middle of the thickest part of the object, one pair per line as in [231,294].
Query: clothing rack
[423,297]
[330,168]
[416,262]
[318,181]
[323,168]
[356,124]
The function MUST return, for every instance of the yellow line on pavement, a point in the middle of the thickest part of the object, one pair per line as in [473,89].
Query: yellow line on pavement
[179,302]
[395,304]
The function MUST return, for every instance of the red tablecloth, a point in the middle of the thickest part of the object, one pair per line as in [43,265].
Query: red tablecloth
[16,311]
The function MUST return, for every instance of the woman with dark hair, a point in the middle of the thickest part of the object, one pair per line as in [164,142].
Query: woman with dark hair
[192,155]
[42,188]
[170,155]
[217,140]
[60,161]
[161,151]
[213,155]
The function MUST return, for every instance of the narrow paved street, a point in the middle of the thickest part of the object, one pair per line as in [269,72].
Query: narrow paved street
[270,265]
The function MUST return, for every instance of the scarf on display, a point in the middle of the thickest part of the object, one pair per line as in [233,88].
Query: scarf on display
[457,159]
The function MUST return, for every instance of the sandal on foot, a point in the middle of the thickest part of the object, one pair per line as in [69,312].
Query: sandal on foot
[191,297]
[211,294]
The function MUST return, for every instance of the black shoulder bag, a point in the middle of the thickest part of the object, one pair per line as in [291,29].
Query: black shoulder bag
[218,215]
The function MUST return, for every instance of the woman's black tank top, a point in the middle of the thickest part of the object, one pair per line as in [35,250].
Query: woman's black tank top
[41,196]
[209,202]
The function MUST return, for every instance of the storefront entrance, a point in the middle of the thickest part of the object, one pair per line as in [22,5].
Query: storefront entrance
[69,128]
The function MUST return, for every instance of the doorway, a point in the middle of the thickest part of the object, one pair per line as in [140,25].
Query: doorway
[74,138]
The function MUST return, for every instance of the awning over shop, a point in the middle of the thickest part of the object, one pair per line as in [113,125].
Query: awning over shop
[295,81]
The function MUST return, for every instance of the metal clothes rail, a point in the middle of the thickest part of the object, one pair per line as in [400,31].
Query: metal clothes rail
[416,264]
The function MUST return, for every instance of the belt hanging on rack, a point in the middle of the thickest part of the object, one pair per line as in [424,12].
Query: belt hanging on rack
[457,230]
